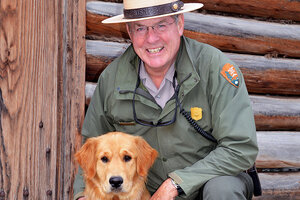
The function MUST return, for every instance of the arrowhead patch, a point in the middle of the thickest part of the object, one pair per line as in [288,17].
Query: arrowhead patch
[230,74]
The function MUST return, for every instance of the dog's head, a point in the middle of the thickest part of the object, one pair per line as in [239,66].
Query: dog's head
[115,161]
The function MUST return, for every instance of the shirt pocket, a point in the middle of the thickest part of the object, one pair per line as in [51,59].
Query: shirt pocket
[130,127]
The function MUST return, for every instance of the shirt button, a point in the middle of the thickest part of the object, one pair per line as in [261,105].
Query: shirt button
[158,96]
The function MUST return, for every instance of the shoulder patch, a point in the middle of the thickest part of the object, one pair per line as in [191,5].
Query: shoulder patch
[230,74]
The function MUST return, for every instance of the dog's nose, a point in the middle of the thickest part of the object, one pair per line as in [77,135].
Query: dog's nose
[116,181]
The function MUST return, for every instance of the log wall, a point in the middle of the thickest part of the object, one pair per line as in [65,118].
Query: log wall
[276,9]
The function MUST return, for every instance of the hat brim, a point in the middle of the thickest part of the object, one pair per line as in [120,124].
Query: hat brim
[186,8]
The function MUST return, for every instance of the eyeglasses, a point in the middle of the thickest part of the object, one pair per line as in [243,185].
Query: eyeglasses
[160,28]
[159,123]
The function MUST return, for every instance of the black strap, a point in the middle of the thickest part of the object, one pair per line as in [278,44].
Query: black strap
[153,10]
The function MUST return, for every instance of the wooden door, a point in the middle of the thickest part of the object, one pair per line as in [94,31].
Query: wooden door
[42,76]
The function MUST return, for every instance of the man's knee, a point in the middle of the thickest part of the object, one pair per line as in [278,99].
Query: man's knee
[228,187]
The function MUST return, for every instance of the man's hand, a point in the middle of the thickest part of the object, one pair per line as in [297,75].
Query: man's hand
[81,198]
[166,191]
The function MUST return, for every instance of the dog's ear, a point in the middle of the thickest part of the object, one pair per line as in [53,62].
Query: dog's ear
[86,157]
[146,156]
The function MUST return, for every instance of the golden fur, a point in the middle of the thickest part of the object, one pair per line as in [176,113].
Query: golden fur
[116,155]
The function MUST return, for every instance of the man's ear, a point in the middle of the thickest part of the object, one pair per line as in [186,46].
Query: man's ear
[146,156]
[128,28]
[86,157]
[180,24]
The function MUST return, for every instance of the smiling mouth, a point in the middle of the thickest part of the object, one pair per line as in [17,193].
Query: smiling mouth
[155,50]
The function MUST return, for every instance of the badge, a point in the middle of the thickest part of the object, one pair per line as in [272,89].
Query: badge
[230,74]
[196,113]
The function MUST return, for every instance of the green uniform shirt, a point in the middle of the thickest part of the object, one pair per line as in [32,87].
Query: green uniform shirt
[207,83]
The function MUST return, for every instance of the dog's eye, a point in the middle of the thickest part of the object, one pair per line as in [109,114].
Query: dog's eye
[127,158]
[104,159]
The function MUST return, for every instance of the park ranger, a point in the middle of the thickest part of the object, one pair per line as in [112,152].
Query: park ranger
[185,98]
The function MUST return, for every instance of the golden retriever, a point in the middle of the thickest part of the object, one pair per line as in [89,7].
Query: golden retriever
[115,166]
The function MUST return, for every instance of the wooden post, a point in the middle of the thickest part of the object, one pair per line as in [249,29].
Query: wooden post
[42,80]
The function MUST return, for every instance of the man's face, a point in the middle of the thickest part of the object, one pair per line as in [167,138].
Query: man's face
[157,47]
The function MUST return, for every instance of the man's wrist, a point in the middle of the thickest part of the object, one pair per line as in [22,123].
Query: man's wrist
[178,188]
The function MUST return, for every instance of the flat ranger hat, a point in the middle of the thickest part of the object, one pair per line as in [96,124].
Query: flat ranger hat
[136,10]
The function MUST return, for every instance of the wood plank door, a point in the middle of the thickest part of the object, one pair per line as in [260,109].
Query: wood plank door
[42,79]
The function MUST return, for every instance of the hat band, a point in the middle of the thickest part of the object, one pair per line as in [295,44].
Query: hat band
[153,11]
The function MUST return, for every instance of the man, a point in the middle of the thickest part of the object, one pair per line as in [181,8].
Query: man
[167,88]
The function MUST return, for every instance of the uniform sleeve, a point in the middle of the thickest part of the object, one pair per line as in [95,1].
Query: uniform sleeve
[233,127]
[95,124]
[78,185]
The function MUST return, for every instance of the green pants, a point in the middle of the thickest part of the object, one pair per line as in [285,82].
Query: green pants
[238,187]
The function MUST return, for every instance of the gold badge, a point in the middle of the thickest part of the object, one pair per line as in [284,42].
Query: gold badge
[196,113]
